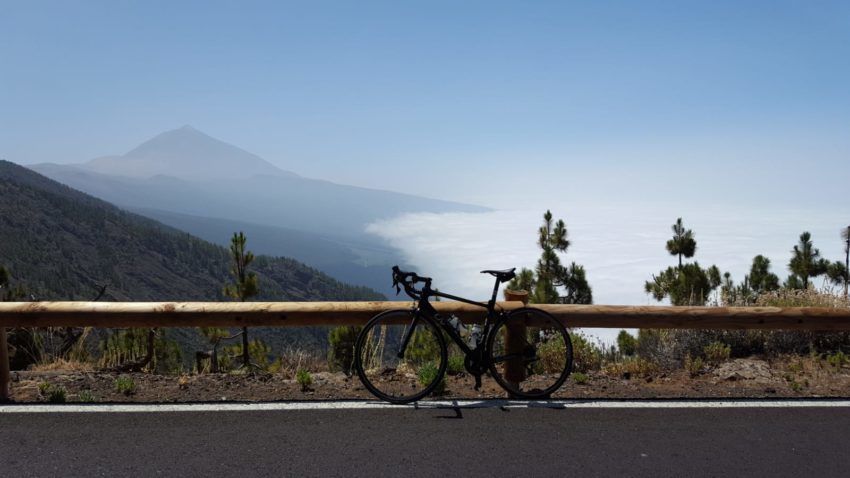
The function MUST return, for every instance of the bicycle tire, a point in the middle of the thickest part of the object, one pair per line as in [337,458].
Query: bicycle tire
[405,381]
[546,358]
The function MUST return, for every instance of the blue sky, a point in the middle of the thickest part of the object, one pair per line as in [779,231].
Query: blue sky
[746,102]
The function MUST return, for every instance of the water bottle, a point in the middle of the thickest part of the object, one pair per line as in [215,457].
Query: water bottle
[474,336]
[460,327]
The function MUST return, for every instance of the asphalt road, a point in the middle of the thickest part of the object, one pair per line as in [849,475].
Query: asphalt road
[772,442]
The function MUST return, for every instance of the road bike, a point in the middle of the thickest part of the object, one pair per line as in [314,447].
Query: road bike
[402,355]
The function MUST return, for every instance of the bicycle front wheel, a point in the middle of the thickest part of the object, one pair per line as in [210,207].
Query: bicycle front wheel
[399,372]
[530,353]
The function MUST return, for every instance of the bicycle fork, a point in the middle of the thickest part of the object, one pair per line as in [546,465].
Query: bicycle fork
[473,358]
[407,335]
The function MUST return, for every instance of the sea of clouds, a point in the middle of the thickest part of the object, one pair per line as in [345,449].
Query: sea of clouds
[620,246]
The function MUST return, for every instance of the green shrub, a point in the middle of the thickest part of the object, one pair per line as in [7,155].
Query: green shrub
[779,342]
[43,388]
[626,343]
[796,367]
[341,348]
[423,347]
[657,346]
[631,367]
[125,385]
[837,359]
[427,374]
[304,379]
[57,394]
[130,345]
[693,342]
[230,357]
[86,396]
[693,365]
[580,378]
[586,355]
[52,393]
[716,352]
[455,364]
[552,355]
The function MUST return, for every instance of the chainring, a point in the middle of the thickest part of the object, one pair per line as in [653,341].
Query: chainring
[474,365]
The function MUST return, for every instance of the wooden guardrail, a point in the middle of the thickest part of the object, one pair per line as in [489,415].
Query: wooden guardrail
[286,314]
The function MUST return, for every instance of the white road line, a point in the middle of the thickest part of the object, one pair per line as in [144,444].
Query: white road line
[373,405]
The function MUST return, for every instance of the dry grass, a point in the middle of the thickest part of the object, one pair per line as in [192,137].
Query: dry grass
[293,360]
[826,297]
[63,365]
[631,367]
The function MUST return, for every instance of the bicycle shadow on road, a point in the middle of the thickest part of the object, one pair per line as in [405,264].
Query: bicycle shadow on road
[504,405]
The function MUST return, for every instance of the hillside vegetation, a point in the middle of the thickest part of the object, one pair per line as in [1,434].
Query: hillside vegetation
[60,244]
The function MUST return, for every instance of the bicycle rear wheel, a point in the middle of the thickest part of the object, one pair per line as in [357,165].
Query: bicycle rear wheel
[421,368]
[530,353]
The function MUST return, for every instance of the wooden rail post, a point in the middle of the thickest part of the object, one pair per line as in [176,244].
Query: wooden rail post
[4,366]
[515,340]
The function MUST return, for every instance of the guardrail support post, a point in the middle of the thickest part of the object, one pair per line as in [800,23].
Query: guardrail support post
[4,366]
[515,340]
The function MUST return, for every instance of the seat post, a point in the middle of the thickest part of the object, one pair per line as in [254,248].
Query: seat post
[495,292]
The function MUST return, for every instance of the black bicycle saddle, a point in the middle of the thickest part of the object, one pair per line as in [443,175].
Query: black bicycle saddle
[504,275]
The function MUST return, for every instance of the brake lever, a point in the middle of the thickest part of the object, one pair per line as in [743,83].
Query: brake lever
[397,288]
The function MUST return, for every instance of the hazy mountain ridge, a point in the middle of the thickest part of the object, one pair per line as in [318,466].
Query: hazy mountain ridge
[188,172]
[282,201]
[291,215]
[185,153]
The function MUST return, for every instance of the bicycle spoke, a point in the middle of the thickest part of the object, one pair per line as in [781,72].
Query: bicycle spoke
[405,378]
[530,353]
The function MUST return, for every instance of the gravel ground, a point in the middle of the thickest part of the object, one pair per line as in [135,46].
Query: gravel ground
[753,377]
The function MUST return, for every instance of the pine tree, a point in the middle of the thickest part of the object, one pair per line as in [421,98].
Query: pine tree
[805,263]
[626,343]
[730,293]
[687,284]
[757,282]
[524,280]
[214,335]
[549,275]
[245,284]
[7,292]
[551,241]
[578,290]
[845,234]
[682,243]
[760,279]
[838,272]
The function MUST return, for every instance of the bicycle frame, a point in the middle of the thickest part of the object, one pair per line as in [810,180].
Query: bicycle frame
[425,307]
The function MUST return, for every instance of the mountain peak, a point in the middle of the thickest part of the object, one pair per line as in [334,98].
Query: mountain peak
[186,153]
